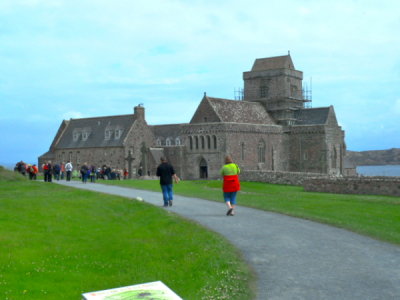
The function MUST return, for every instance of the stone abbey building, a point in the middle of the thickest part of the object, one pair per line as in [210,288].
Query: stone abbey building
[269,129]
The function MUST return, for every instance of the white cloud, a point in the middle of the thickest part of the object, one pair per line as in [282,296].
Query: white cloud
[72,115]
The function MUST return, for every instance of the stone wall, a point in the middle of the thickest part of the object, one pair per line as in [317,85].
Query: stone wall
[355,185]
[292,178]
[317,182]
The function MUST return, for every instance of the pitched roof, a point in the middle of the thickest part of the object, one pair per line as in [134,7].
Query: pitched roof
[168,130]
[91,132]
[232,111]
[312,116]
[271,63]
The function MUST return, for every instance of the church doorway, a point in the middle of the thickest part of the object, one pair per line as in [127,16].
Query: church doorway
[203,169]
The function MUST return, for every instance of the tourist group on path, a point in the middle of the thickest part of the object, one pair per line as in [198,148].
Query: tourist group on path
[165,171]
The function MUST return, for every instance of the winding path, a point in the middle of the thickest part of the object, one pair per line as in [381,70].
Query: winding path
[293,258]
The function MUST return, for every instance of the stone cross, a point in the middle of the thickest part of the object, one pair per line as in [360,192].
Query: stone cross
[130,159]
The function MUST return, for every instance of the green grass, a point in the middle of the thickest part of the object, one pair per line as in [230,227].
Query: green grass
[58,242]
[374,216]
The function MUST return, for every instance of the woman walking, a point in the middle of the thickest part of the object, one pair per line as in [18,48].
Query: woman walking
[230,173]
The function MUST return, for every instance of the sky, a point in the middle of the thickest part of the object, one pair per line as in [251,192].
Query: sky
[63,59]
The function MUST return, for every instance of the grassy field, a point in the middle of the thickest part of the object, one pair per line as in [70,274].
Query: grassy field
[374,216]
[57,243]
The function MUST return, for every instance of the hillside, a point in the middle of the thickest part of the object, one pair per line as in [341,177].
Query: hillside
[374,157]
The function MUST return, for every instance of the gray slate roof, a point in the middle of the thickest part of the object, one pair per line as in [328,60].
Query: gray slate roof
[272,63]
[240,111]
[95,128]
[231,111]
[312,116]
[168,130]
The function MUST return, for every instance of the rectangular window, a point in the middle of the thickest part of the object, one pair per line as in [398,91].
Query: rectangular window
[263,91]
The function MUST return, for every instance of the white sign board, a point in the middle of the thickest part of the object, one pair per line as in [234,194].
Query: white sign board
[152,290]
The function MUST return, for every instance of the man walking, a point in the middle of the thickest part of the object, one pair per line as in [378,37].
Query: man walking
[68,169]
[166,173]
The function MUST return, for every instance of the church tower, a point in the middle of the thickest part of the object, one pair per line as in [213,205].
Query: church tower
[275,83]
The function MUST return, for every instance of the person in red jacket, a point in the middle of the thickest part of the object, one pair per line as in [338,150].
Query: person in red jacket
[35,171]
[230,173]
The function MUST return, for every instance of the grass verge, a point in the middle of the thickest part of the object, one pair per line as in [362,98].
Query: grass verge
[57,243]
[371,215]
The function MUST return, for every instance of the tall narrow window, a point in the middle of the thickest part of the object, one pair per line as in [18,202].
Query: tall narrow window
[208,142]
[272,159]
[196,141]
[215,141]
[334,158]
[177,141]
[261,151]
[190,143]
[168,142]
[202,142]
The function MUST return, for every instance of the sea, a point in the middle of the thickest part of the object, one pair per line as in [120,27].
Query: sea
[386,170]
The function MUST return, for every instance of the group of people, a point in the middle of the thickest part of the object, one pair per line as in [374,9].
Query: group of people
[229,172]
[165,171]
[85,172]
[59,171]
[24,168]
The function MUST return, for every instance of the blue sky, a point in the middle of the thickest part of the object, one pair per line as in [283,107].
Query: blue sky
[64,59]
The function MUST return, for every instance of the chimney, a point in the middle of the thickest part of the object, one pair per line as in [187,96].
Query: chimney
[139,111]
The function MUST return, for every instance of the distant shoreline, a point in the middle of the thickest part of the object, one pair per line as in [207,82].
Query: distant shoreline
[380,170]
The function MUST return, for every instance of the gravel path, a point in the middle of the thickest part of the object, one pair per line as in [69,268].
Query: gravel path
[293,258]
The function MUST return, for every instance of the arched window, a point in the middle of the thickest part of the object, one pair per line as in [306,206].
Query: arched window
[177,141]
[208,142]
[202,142]
[196,142]
[215,141]
[190,143]
[261,151]
[158,142]
[168,142]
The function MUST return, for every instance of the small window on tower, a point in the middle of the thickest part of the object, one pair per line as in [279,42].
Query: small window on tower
[263,91]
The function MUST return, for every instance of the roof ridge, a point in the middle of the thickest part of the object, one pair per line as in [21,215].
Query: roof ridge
[101,117]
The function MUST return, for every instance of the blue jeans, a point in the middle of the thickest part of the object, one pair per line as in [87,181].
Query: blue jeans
[230,197]
[167,192]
